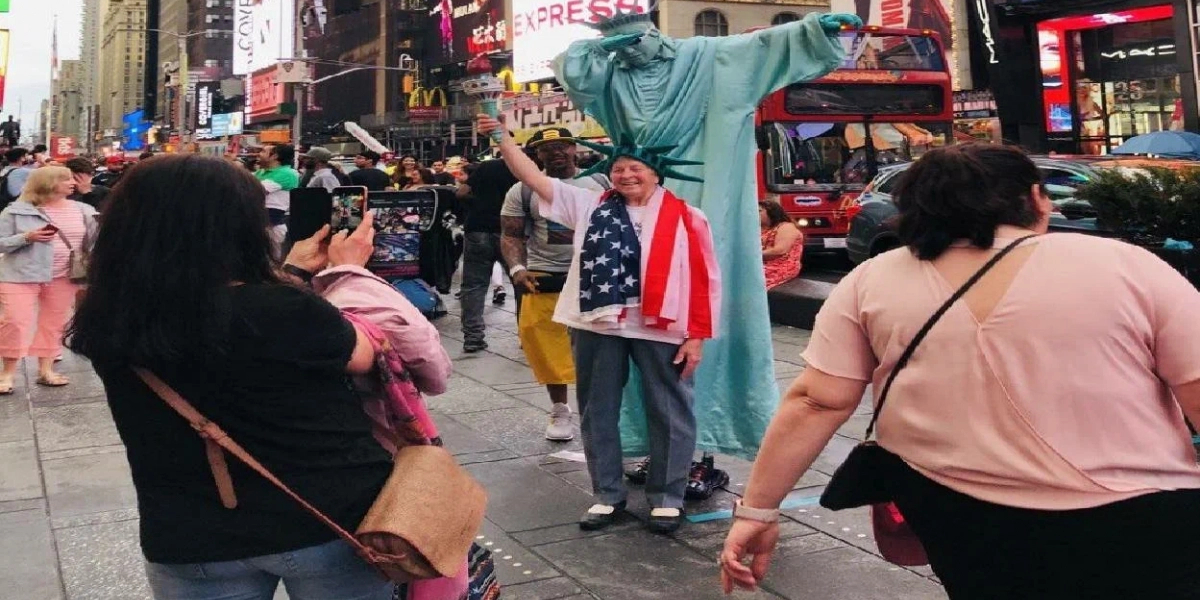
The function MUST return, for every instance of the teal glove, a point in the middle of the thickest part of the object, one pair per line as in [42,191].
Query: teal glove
[616,42]
[833,22]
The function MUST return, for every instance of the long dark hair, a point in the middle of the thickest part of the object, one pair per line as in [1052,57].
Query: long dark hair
[775,212]
[180,229]
[964,192]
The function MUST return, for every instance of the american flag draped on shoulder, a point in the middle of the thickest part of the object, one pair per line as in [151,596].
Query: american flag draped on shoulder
[610,262]
[680,289]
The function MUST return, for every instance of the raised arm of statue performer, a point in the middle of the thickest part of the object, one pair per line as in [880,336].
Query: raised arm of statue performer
[798,51]
[522,167]
[583,70]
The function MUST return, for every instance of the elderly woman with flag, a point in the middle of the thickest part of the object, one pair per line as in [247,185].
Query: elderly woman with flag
[643,285]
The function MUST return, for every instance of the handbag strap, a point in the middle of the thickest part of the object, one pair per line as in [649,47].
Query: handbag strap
[59,230]
[215,439]
[924,331]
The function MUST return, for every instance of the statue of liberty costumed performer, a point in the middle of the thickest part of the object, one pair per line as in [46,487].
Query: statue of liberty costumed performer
[699,95]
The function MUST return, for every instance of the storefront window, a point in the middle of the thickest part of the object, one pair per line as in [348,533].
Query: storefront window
[1107,80]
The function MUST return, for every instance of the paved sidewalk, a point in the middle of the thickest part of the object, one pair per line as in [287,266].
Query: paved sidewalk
[68,517]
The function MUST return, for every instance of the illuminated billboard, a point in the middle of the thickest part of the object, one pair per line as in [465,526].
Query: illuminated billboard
[263,33]
[544,28]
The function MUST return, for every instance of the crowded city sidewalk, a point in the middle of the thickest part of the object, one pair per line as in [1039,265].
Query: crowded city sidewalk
[68,517]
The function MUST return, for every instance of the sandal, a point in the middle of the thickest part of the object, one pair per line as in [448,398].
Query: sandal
[52,380]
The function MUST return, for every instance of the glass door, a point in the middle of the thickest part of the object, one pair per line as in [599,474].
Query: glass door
[1128,85]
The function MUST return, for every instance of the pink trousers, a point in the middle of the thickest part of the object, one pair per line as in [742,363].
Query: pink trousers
[39,310]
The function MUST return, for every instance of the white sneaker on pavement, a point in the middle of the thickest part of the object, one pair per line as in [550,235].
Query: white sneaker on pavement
[560,428]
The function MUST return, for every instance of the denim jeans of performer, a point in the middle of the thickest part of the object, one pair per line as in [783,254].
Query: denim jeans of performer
[482,250]
[330,570]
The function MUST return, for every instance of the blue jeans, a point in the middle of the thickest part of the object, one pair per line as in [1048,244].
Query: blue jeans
[330,570]
[481,252]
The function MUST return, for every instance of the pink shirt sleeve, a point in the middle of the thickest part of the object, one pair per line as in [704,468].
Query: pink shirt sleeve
[840,345]
[356,290]
[1175,304]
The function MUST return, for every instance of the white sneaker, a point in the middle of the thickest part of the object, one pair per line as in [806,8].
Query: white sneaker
[560,428]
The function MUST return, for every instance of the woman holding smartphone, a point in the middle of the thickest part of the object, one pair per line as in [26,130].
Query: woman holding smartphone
[38,233]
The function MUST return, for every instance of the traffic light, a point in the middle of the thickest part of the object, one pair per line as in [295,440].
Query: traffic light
[134,130]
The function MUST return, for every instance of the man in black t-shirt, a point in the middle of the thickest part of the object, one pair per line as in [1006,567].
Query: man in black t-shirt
[484,196]
[368,173]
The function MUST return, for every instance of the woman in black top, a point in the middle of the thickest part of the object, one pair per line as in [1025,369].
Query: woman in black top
[182,283]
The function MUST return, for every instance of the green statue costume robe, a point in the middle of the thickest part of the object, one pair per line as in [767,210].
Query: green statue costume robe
[700,95]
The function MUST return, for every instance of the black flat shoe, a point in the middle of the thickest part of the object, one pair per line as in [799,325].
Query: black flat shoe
[665,523]
[597,517]
[473,347]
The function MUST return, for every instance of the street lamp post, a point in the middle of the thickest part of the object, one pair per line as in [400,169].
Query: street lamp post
[181,94]
[407,64]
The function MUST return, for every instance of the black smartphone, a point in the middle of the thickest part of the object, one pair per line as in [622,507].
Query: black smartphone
[309,212]
[348,203]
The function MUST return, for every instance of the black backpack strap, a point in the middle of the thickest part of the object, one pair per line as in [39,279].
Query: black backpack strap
[527,208]
[924,331]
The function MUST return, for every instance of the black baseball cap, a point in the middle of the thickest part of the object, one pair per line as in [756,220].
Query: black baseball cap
[550,134]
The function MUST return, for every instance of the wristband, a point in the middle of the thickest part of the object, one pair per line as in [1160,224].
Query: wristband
[297,272]
[515,269]
[762,515]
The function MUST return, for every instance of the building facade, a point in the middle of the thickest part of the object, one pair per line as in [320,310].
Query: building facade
[211,50]
[172,18]
[122,61]
[89,56]
[69,108]
[1097,72]
[687,18]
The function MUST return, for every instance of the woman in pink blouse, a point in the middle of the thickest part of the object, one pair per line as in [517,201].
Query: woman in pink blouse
[38,233]
[1040,423]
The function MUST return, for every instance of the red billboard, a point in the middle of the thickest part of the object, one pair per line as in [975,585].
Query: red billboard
[265,94]
[62,147]
[3,62]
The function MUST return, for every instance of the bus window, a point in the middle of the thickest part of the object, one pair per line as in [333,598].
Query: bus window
[803,154]
[867,51]
[817,98]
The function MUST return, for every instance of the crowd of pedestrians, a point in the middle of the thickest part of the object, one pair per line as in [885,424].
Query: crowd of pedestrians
[1017,476]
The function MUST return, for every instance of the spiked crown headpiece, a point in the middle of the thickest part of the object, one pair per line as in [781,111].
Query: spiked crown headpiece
[653,156]
[621,18]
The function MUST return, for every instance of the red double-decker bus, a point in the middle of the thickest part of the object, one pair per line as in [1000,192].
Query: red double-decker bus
[815,156]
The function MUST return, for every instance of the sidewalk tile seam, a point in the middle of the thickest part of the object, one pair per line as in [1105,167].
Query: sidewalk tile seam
[540,556]
[50,455]
[54,546]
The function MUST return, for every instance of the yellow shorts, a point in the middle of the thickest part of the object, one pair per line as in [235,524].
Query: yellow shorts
[546,344]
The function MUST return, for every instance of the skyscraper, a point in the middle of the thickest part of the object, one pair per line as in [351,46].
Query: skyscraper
[89,57]
[68,107]
[122,60]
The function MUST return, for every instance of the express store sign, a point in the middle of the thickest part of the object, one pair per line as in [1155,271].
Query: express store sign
[544,28]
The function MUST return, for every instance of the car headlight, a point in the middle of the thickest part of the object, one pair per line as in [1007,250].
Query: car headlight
[802,222]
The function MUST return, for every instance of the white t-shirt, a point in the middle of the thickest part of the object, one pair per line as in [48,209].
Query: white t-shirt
[550,245]
[573,207]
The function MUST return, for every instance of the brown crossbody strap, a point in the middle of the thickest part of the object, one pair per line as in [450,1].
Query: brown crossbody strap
[215,439]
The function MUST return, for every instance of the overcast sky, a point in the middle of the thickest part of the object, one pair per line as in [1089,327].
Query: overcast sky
[30,24]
